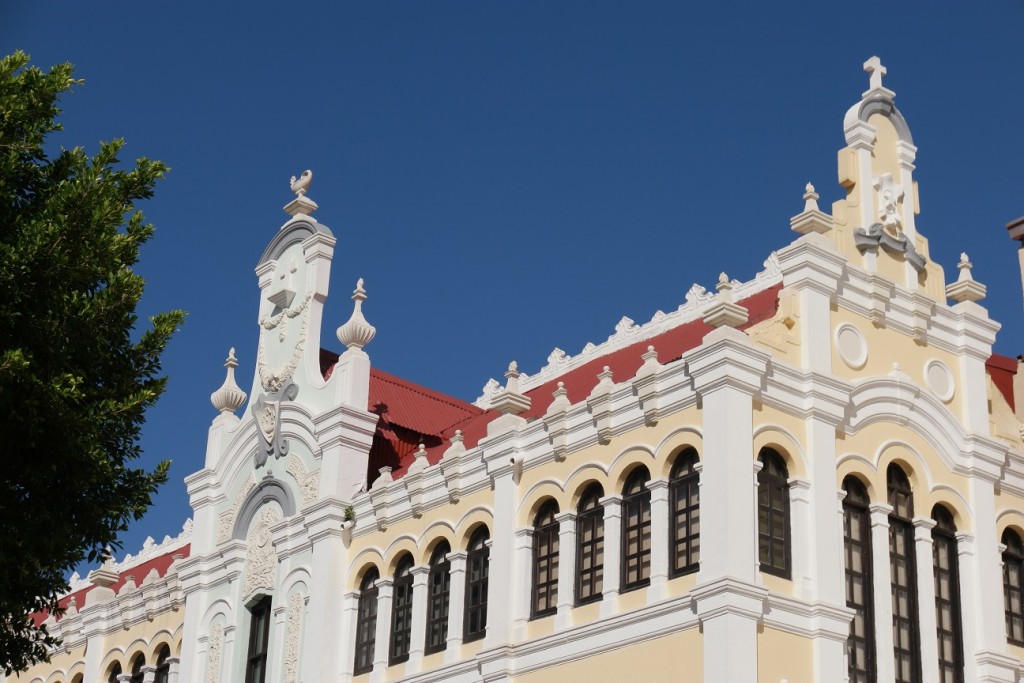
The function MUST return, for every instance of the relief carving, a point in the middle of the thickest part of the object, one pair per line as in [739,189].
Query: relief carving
[292,638]
[226,521]
[213,660]
[309,482]
[260,556]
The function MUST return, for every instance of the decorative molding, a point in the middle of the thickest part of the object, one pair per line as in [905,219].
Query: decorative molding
[851,346]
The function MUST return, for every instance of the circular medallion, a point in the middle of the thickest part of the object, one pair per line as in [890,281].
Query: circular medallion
[940,379]
[852,347]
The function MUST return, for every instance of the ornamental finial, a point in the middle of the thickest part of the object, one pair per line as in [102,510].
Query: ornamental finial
[357,333]
[874,67]
[229,397]
[301,205]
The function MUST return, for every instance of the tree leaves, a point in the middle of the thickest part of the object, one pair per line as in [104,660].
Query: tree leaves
[74,387]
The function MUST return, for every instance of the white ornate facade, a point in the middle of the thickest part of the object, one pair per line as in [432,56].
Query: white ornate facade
[732,491]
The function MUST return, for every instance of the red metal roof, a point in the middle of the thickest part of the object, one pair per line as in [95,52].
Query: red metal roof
[1002,369]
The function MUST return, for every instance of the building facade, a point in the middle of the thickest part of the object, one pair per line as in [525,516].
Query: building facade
[814,475]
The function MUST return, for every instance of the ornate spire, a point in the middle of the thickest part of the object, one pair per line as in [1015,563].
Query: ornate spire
[357,333]
[301,205]
[966,288]
[229,397]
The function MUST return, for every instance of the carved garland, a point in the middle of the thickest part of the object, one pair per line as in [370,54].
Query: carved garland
[272,380]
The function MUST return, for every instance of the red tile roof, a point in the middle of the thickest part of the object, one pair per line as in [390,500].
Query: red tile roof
[139,571]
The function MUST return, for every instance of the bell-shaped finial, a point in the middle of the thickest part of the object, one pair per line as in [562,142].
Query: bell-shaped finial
[357,333]
[229,397]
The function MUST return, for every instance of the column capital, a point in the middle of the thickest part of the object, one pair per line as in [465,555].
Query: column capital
[610,501]
[965,544]
[727,360]
[659,484]
[880,514]
[457,557]
[564,518]
[418,572]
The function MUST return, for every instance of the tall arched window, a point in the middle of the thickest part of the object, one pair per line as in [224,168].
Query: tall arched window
[1013,586]
[545,560]
[590,545]
[636,530]
[948,623]
[137,664]
[115,673]
[439,583]
[906,638]
[773,514]
[860,645]
[477,564]
[366,622]
[401,612]
[684,497]
[163,666]
[259,641]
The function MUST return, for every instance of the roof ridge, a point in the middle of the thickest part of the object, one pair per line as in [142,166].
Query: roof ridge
[427,392]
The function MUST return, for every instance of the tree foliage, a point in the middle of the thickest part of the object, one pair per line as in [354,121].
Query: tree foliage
[74,384]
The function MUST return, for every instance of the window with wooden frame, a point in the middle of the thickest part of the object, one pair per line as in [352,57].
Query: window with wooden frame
[477,568]
[684,499]
[860,645]
[401,612]
[137,664]
[906,634]
[590,545]
[948,619]
[545,561]
[1013,586]
[163,666]
[259,641]
[439,582]
[773,531]
[636,530]
[366,622]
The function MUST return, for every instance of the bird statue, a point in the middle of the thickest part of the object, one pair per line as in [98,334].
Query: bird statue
[300,185]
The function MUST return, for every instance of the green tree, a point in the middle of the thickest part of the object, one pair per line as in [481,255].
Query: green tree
[74,385]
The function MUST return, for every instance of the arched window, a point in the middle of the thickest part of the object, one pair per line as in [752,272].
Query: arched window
[78,679]
[477,561]
[903,574]
[545,560]
[115,673]
[1013,586]
[259,642]
[137,664]
[439,583]
[401,612]
[684,497]
[590,545]
[860,645]
[773,514]
[366,622]
[636,530]
[947,597]
[163,667]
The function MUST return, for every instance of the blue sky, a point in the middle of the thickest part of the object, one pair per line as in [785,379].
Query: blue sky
[511,177]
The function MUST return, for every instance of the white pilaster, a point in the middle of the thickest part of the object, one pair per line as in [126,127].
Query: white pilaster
[924,562]
[346,647]
[659,539]
[968,598]
[419,620]
[802,540]
[456,605]
[522,601]
[612,554]
[566,569]
[882,590]
[328,638]
[382,643]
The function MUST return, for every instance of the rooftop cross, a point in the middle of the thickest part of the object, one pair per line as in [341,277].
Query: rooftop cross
[874,67]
